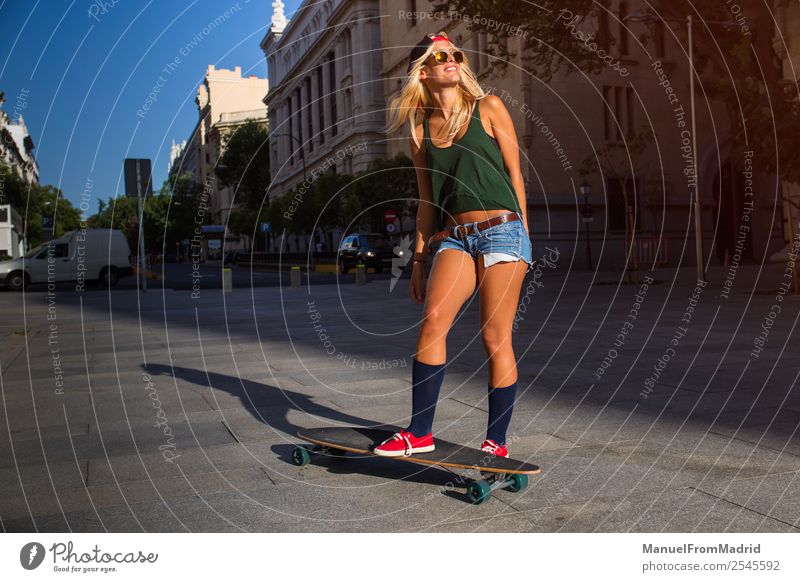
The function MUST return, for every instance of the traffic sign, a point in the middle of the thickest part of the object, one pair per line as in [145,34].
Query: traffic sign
[266,227]
[389,216]
[391,227]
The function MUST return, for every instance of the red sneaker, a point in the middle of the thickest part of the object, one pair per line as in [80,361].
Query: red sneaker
[404,444]
[489,446]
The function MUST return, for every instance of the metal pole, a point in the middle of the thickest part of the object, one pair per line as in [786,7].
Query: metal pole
[588,234]
[140,208]
[698,218]
[790,205]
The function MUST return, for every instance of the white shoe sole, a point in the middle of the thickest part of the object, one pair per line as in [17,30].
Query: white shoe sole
[403,453]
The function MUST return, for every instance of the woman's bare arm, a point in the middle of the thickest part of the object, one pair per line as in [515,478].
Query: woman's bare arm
[426,213]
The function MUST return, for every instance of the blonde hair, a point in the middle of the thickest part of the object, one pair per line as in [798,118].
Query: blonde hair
[415,102]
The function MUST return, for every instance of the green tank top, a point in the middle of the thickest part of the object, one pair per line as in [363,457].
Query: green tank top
[470,173]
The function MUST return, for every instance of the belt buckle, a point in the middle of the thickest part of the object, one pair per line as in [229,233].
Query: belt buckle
[457,228]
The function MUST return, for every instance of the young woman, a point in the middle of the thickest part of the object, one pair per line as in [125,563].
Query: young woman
[464,149]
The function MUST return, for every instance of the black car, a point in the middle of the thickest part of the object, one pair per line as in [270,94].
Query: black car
[372,250]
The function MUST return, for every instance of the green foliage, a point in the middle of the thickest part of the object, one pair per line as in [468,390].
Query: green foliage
[386,185]
[170,215]
[33,201]
[331,200]
[244,164]
[738,69]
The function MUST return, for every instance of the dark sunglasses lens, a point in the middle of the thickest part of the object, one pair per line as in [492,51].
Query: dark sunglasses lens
[443,56]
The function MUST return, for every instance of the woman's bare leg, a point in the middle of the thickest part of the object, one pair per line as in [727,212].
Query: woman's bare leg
[451,282]
[499,287]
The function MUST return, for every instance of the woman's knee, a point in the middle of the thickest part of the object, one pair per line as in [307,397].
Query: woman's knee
[495,339]
[437,321]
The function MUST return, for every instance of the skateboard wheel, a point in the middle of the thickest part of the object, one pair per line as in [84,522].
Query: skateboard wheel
[301,456]
[479,491]
[518,483]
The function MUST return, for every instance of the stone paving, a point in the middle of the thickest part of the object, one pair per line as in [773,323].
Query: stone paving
[164,412]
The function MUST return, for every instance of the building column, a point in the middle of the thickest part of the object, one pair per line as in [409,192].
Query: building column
[301,115]
[293,141]
[313,111]
[326,91]
[283,141]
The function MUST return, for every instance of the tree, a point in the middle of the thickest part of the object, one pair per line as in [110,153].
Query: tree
[34,201]
[385,185]
[184,208]
[740,70]
[625,163]
[244,164]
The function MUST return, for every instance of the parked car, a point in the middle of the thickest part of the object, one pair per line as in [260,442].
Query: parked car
[90,255]
[230,257]
[372,250]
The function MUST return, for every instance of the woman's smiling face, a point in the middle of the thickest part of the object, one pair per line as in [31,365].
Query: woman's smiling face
[448,72]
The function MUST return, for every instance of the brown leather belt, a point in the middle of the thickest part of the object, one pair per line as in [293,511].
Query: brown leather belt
[464,230]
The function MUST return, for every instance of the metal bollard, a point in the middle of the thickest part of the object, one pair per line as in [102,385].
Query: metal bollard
[361,274]
[295,276]
[227,280]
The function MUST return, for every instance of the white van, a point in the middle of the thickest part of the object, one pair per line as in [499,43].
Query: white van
[87,256]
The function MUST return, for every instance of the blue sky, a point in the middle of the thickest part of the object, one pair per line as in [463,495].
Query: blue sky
[80,70]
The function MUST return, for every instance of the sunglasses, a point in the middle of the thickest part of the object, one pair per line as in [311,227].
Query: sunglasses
[442,57]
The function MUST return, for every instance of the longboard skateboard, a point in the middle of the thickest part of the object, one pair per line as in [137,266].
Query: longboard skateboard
[497,472]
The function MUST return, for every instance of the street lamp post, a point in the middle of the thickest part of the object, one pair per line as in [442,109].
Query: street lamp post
[648,15]
[586,189]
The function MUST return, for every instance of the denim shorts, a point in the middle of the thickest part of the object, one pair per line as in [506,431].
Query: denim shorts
[507,241]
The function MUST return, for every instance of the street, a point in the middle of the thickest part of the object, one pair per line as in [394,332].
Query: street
[180,276]
[169,411]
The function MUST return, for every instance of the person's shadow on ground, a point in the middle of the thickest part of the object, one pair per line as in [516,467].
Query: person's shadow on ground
[271,405]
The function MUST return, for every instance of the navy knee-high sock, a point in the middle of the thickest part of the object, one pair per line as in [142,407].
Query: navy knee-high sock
[426,381]
[501,405]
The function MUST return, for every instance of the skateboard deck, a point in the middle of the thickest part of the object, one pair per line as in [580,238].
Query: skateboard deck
[499,472]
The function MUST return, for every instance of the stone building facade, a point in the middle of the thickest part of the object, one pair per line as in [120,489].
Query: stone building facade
[224,100]
[326,102]
[16,144]
[787,45]
[562,122]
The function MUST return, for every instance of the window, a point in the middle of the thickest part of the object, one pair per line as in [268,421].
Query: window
[623,31]
[321,105]
[4,215]
[603,31]
[608,116]
[619,113]
[348,50]
[412,7]
[615,209]
[332,96]
[348,103]
[658,38]
[299,121]
[291,131]
[630,118]
[309,117]
[57,251]
[481,60]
